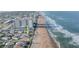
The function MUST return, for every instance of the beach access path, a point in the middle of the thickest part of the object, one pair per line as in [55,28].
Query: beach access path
[42,38]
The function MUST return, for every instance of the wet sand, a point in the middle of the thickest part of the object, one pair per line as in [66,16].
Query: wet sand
[42,38]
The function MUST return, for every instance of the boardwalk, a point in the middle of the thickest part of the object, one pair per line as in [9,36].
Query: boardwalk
[41,38]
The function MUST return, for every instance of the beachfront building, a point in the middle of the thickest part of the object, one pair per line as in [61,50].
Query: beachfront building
[20,23]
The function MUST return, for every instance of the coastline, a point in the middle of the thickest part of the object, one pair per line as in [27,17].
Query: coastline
[51,34]
[43,39]
[54,39]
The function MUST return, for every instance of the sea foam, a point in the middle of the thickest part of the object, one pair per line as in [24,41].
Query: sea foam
[59,28]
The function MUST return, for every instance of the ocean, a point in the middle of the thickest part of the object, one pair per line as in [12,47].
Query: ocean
[65,27]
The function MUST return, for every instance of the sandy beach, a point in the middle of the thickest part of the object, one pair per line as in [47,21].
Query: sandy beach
[41,38]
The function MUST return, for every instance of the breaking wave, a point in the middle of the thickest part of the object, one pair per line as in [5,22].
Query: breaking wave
[59,28]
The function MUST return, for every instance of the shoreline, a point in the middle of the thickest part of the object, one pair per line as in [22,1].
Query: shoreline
[54,39]
[52,35]
[43,38]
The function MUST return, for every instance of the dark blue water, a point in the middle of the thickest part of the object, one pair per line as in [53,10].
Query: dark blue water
[69,20]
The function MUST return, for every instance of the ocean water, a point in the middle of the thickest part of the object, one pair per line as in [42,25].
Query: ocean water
[65,27]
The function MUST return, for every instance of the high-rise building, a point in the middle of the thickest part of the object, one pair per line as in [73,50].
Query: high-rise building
[20,23]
